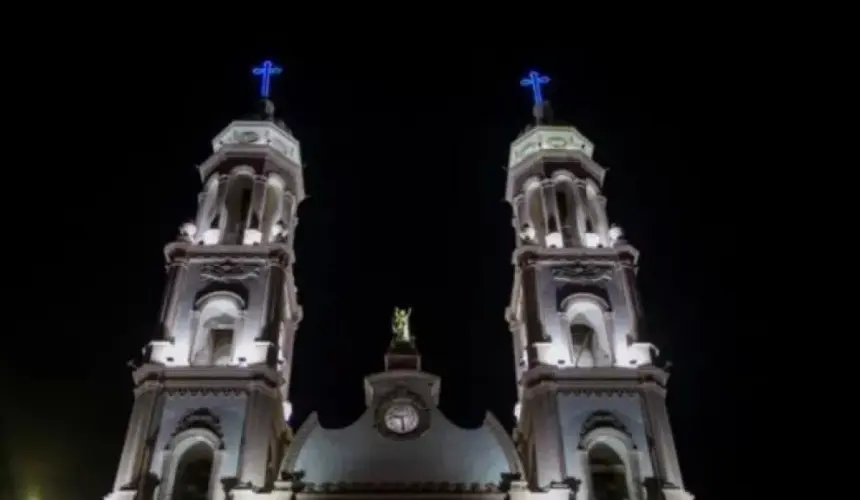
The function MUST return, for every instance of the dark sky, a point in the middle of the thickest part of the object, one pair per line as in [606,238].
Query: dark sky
[404,153]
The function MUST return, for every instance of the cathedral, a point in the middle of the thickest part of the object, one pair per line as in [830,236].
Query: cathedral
[211,413]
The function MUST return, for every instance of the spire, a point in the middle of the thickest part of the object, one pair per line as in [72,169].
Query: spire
[543,136]
[266,71]
[402,354]
[260,129]
[266,110]
[535,82]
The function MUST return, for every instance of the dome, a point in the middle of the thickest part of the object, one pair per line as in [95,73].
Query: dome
[443,454]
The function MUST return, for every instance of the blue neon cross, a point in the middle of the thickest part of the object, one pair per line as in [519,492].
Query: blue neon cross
[535,81]
[266,71]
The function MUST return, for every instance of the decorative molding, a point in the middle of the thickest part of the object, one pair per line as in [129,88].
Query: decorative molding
[180,262]
[602,419]
[397,487]
[600,380]
[197,419]
[147,386]
[291,454]
[582,273]
[595,391]
[207,391]
[509,448]
[229,270]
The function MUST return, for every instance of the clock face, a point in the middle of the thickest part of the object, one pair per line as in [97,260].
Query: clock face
[401,418]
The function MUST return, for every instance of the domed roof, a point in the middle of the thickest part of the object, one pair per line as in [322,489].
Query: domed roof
[444,453]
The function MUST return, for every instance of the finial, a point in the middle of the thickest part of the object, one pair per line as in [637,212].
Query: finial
[266,71]
[269,109]
[400,326]
[535,81]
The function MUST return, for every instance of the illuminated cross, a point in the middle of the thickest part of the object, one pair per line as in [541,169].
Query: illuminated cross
[535,81]
[266,71]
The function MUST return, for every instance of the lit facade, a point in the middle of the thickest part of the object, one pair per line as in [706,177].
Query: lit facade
[211,410]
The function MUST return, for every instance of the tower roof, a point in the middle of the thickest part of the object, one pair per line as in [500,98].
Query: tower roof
[548,138]
[260,128]
[544,135]
[260,136]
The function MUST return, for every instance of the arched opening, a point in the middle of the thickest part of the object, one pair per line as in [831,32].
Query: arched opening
[525,230]
[608,474]
[596,215]
[222,343]
[590,335]
[582,339]
[194,473]
[218,323]
[565,187]
[535,210]
[207,212]
[237,204]
[565,212]
[215,345]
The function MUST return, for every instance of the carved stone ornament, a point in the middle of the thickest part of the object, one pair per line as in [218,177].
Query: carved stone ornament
[582,273]
[201,418]
[602,419]
[402,487]
[229,270]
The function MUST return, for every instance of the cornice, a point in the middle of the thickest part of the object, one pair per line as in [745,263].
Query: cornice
[610,381]
[271,254]
[209,379]
[432,487]
[147,386]
[533,255]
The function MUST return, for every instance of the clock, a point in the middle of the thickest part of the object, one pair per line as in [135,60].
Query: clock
[401,417]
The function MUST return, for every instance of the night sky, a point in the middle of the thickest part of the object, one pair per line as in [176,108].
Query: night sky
[404,165]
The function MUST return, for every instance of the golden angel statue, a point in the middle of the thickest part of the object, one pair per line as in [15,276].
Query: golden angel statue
[400,325]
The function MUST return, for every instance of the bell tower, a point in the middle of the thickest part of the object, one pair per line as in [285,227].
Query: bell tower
[211,405]
[591,412]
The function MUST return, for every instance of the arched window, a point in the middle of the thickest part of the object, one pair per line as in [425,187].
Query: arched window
[582,339]
[609,459]
[193,477]
[192,459]
[237,203]
[599,226]
[608,474]
[586,318]
[207,226]
[215,341]
[217,327]
[535,210]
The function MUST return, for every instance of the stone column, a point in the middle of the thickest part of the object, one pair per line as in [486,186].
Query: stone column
[167,301]
[531,310]
[135,437]
[546,435]
[667,467]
